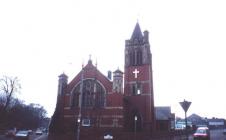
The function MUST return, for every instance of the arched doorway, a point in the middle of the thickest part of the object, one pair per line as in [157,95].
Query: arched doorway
[137,121]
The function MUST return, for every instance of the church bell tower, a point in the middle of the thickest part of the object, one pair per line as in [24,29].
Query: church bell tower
[138,83]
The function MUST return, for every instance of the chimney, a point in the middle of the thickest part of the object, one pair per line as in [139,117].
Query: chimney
[109,75]
[146,36]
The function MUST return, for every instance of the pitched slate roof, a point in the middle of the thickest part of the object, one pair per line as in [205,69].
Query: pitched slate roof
[137,34]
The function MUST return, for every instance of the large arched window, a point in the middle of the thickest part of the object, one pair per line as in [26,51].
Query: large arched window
[93,94]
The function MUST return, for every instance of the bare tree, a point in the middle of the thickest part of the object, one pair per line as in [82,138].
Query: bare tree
[9,86]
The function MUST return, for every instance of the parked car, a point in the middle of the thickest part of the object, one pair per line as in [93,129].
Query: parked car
[30,131]
[10,133]
[45,130]
[38,132]
[224,131]
[202,133]
[22,135]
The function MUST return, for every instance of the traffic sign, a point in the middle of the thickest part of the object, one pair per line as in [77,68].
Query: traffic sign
[185,105]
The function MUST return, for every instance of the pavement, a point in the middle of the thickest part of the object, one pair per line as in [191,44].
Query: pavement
[43,137]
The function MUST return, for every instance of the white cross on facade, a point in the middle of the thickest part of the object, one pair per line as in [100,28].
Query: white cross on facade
[135,73]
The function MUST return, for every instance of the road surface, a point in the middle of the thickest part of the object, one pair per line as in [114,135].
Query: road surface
[32,137]
[214,135]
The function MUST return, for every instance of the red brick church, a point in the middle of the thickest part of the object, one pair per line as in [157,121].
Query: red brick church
[96,104]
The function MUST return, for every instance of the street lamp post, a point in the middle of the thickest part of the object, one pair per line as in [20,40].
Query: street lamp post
[185,105]
[135,127]
[78,130]
[80,106]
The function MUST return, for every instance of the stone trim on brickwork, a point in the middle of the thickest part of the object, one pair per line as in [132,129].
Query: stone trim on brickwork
[67,108]
[69,116]
[112,116]
[116,107]
[106,125]
[103,116]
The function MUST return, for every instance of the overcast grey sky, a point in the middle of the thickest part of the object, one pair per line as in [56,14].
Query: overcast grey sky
[41,39]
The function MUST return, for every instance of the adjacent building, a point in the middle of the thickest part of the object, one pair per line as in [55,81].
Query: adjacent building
[165,120]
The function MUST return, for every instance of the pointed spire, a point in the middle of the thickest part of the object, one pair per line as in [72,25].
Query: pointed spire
[137,34]
[82,63]
[96,63]
[90,60]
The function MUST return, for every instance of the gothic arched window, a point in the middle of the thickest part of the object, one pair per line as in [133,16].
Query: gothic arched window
[135,57]
[93,94]
[131,58]
[136,88]
[139,57]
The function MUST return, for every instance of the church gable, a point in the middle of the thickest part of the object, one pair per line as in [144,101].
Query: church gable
[91,72]
[96,88]
[100,104]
